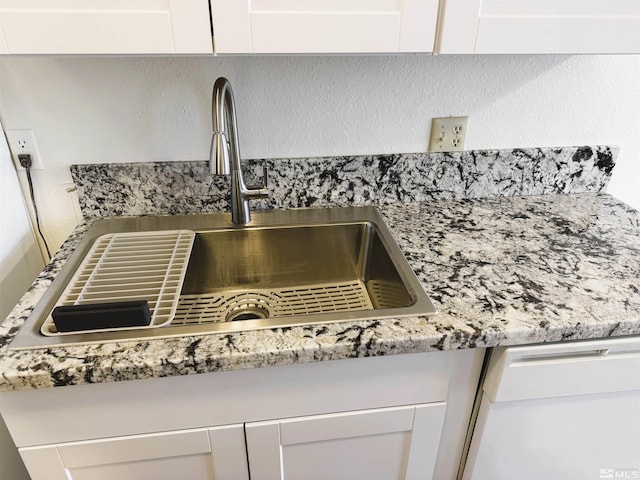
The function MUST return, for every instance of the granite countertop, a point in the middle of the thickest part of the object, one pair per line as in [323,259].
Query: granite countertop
[501,271]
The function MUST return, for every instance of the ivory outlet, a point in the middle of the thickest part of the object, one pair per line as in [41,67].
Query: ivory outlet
[448,134]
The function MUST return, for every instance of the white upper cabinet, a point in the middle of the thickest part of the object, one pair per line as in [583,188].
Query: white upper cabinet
[540,26]
[324,26]
[105,26]
[118,27]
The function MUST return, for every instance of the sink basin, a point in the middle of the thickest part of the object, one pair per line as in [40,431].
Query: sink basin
[257,273]
[289,267]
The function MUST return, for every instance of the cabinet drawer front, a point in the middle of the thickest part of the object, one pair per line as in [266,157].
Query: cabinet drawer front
[579,368]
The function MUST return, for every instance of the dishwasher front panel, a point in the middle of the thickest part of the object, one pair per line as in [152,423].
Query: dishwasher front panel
[559,411]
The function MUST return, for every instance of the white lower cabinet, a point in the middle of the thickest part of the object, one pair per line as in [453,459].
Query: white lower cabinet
[365,418]
[385,444]
[202,454]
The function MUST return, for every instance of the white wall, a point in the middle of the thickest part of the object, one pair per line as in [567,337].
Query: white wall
[20,258]
[20,263]
[143,109]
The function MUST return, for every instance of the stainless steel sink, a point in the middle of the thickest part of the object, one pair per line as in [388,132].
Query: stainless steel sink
[289,267]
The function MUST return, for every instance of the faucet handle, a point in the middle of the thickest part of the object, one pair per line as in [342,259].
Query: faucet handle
[260,191]
[265,180]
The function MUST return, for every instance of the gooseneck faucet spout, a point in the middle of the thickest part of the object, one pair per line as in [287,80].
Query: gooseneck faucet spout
[224,158]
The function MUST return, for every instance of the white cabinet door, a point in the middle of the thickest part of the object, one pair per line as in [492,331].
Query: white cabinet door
[204,454]
[385,444]
[324,26]
[105,26]
[540,26]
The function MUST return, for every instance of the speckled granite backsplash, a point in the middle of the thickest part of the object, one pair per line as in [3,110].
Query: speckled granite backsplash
[188,187]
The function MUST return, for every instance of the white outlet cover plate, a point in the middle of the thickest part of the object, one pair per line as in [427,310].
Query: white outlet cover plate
[448,134]
[14,137]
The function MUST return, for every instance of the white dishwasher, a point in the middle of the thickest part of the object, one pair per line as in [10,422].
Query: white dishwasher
[559,412]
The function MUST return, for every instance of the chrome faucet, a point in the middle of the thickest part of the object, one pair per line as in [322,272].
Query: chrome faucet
[224,158]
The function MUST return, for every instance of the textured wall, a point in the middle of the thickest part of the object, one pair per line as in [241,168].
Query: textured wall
[20,259]
[20,262]
[87,110]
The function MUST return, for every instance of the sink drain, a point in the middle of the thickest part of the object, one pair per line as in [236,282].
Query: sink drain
[247,312]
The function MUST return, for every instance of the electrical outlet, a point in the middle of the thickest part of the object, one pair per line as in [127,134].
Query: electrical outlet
[24,142]
[448,134]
